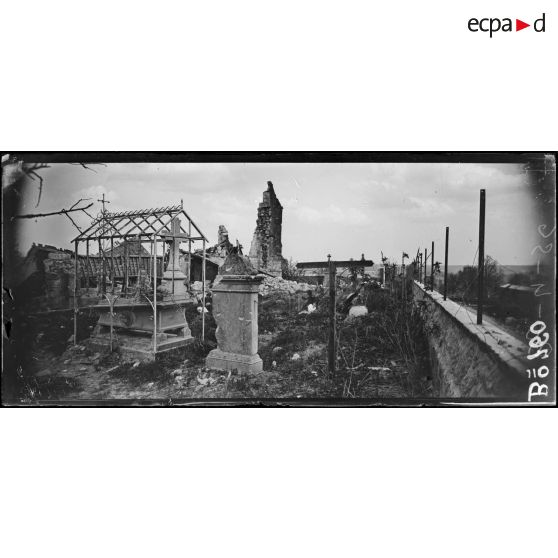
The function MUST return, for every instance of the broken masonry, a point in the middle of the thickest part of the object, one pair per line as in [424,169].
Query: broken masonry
[266,249]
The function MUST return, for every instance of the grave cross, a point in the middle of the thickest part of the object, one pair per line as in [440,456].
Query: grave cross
[331,266]
[103,201]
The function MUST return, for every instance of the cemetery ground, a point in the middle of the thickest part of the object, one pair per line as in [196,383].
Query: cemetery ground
[380,355]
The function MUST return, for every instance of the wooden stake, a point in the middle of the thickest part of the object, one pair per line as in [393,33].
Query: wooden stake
[189,253]
[446,266]
[139,260]
[126,267]
[332,318]
[76,279]
[87,265]
[402,277]
[203,293]
[432,268]
[480,293]
[112,264]
[103,269]
[154,250]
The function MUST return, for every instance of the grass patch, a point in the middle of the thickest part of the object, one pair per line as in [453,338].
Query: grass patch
[47,387]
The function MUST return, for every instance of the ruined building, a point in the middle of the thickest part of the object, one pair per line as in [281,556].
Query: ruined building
[46,274]
[266,248]
[224,246]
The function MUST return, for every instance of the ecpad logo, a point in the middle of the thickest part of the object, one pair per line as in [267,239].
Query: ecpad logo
[493,25]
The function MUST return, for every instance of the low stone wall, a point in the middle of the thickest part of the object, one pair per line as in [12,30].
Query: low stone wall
[469,360]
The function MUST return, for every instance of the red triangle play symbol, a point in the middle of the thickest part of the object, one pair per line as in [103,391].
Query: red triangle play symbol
[519,25]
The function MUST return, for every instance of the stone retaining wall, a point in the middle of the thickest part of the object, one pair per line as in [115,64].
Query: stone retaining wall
[469,360]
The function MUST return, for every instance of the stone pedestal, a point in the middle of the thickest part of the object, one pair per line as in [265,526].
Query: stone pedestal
[235,309]
[132,328]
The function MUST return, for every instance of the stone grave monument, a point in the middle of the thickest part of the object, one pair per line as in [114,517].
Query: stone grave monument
[235,309]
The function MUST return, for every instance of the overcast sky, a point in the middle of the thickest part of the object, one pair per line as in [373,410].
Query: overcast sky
[337,208]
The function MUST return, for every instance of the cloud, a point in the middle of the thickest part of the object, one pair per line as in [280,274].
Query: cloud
[394,206]
[429,207]
[289,203]
[332,214]
[95,193]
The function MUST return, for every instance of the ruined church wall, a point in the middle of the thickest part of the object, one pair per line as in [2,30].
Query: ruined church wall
[266,248]
[469,360]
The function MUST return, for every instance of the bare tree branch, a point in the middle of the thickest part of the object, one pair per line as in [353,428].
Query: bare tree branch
[31,173]
[73,222]
[18,169]
[61,212]
[80,200]
[36,166]
[87,167]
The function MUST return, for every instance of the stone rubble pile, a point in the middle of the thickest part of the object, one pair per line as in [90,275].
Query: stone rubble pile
[196,286]
[271,284]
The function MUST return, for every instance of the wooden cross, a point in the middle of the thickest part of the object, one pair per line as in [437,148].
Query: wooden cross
[103,201]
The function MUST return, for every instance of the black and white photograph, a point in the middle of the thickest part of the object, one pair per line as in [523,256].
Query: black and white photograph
[279,279]
[275,278]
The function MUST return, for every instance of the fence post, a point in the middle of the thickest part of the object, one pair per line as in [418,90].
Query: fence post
[203,293]
[402,277]
[103,268]
[88,282]
[446,266]
[432,268]
[126,267]
[112,264]
[480,293]
[331,342]
[154,251]
[76,279]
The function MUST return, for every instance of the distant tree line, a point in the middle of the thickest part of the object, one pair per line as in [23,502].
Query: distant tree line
[463,285]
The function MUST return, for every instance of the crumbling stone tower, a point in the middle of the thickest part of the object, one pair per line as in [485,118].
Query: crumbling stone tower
[266,248]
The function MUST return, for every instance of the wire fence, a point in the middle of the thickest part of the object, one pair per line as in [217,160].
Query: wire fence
[475,288]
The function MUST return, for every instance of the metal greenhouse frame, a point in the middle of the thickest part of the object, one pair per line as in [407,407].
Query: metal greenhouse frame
[145,226]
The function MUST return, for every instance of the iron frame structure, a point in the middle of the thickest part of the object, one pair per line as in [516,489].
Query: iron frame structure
[146,226]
